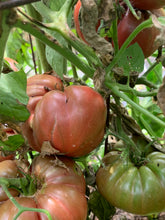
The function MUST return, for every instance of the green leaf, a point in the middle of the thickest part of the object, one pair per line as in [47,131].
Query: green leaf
[155,76]
[132,59]
[13,143]
[13,97]
[100,207]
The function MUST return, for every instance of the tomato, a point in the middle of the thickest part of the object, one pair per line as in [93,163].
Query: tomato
[139,190]
[148,4]
[8,169]
[73,121]
[145,39]
[61,191]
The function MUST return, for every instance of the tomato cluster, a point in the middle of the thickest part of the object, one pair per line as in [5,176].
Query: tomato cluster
[63,120]
[127,24]
[69,119]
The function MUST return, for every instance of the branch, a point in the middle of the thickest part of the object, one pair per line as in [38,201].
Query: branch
[14,3]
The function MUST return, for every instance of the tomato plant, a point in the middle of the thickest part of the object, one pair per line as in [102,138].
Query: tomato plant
[73,128]
[61,186]
[97,94]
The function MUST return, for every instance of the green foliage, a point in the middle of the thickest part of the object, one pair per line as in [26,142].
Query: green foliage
[13,97]
[13,143]
[100,207]
[20,50]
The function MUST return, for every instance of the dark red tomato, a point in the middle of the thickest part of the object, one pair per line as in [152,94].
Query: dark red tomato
[73,121]
[145,39]
[139,190]
[148,4]
[8,169]
[61,191]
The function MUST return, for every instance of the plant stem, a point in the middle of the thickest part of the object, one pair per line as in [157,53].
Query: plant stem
[40,47]
[152,66]
[139,108]
[51,42]
[128,89]
[115,36]
[132,9]
[14,3]
[4,33]
[137,30]
[21,208]
[143,80]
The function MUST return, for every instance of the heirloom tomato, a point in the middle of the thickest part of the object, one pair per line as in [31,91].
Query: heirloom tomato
[72,121]
[135,189]
[148,4]
[61,191]
[146,38]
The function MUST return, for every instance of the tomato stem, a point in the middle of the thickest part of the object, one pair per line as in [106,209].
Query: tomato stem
[4,32]
[114,88]
[132,9]
[21,208]
[40,47]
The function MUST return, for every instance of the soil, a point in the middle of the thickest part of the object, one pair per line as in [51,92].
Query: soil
[121,215]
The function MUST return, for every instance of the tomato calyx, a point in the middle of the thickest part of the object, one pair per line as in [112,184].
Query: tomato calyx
[25,185]
[136,151]
[138,159]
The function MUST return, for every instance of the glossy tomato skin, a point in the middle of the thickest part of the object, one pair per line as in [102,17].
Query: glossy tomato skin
[139,190]
[8,169]
[61,191]
[72,121]
[145,39]
[148,4]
